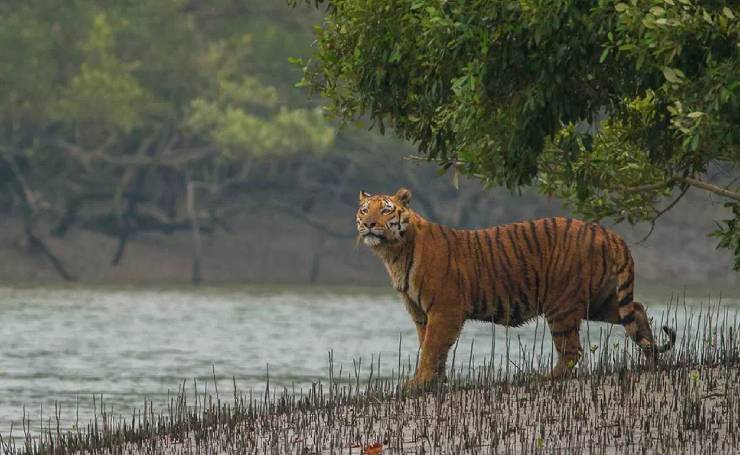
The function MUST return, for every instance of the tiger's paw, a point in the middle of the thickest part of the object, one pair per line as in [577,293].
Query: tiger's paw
[412,385]
[422,384]
[562,370]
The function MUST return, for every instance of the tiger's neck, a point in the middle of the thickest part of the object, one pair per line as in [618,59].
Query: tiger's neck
[399,258]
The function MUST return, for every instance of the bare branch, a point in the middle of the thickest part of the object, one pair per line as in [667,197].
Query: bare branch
[662,212]
[734,195]
[725,192]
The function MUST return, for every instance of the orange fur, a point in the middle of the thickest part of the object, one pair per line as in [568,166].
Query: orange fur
[565,269]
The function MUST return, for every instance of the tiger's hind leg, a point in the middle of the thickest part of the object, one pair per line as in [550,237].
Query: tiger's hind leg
[565,337]
[607,310]
[633,318]
[644,336]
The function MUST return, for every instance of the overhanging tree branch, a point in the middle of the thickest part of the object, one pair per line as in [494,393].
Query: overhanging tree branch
[709,187]
[687,180]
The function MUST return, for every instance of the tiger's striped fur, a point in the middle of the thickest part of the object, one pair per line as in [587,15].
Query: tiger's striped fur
[565,269]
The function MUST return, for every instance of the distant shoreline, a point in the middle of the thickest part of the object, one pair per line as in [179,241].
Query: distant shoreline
[255,251]
[663,290]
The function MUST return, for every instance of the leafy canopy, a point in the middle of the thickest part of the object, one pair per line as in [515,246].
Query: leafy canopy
[612,106]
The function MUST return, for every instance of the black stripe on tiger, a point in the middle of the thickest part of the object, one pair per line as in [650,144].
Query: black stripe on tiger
[592,264]
[494,265]
[447,242]
[506,263]
[533,231]
[628,319]
[550,226]
[562,333]
[626,300]
[490,270]
[524,236]
[525,272]
[409,264]
[626,284]
[519,255]
[498,318]
[515,313]
[476,288]
[625,257]
[418,294]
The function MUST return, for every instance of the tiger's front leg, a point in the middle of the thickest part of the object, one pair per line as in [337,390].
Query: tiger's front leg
[443,328]
[418,316]
[421,329]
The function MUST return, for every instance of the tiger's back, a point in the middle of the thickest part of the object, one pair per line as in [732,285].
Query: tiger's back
[521,270]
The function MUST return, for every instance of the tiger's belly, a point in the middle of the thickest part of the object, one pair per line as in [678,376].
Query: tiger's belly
[505,311]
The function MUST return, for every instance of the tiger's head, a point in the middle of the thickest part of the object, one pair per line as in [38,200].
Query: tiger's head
[383,220]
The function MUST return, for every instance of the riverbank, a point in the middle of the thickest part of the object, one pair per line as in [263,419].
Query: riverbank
[686,410]
[689,408]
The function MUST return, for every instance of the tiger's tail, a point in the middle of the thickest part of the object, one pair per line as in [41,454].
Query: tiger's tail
[668,345]
[632,314]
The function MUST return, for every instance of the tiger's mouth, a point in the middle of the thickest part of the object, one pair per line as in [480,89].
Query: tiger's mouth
[373,238]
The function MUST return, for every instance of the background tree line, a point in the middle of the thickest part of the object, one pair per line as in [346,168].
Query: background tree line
[114,113]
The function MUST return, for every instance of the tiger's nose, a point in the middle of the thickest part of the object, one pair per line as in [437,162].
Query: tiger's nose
[370,225]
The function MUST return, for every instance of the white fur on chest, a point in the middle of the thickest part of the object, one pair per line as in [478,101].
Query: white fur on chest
[402,280]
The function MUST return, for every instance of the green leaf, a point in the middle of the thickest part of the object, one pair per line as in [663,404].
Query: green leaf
[621,7]
[670,75]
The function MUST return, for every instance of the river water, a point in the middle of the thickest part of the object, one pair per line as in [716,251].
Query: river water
[62,346]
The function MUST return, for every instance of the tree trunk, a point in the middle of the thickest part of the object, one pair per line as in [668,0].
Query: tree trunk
[315,267]
[28,209]
[193,215]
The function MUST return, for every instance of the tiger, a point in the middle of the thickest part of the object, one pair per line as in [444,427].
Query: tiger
[563,268]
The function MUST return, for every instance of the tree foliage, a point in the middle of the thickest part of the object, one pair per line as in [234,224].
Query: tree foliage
[108,110]
[613,106]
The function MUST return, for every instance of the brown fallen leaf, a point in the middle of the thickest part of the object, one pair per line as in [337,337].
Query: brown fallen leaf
[374,449]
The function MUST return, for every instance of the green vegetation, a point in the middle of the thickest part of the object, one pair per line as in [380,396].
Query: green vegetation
[114,113]
[144,119]
[615,107]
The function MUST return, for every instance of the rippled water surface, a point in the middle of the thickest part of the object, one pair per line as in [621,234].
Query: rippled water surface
[65,345]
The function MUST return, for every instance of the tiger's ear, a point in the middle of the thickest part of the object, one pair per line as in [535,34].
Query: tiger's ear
[403,196]
[364,195]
